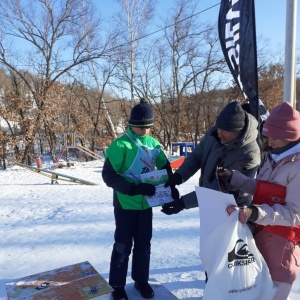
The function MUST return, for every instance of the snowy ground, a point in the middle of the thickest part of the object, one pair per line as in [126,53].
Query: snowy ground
[46,226]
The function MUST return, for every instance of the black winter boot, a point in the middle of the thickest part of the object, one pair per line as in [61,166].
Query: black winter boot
[145,289]
[119,293]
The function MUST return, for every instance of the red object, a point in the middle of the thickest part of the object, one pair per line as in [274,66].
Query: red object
[176,161]
[38,162]
[271,193]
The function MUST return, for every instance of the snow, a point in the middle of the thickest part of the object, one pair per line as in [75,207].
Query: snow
[46,226]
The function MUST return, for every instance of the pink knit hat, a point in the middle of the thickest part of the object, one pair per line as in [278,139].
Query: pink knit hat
[283,123]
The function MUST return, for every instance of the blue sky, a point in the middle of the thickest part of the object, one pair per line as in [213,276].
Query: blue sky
[270,16]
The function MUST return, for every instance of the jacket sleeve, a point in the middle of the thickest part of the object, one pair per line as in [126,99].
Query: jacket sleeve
[244,190]
[167,166]
[242,182]
[115,180]
[247,164]
[162,161]
[190,200]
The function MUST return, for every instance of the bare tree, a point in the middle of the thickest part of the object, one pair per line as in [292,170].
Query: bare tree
[191,57]
[53,43]
[271,84]
[133,19]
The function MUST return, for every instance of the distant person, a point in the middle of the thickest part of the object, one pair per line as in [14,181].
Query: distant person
[231,143]
[263,114]
[274,214]
[128,156]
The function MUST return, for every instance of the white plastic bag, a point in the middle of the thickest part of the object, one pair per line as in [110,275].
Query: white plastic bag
[235,267]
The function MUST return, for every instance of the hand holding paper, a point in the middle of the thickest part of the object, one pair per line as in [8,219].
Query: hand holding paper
[175,206]
[162,194]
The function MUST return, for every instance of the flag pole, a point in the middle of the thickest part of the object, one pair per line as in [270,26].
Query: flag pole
[289,93]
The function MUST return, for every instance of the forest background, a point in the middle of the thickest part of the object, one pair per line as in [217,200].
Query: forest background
[66,68]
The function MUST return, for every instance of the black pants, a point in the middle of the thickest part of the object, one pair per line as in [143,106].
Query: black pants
[133,228]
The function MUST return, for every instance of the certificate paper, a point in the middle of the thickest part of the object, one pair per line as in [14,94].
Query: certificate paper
[162,193]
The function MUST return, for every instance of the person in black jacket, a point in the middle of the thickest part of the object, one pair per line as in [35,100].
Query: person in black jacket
[232,144]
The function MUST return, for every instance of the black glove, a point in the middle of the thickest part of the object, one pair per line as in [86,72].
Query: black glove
[174,179]
[175,193]
[145,189]
[174,207]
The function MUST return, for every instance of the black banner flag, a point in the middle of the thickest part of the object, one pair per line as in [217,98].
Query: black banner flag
[237,36]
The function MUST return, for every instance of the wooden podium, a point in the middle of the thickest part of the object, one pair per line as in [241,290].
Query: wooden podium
[75,282]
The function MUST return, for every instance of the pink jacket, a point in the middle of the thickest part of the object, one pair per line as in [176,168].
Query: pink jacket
[281,255]
[285,172]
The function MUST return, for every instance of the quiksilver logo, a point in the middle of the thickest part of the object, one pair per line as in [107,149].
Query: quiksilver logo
[240,255]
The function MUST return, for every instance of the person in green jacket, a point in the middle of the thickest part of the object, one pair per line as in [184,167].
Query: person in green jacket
[132,154]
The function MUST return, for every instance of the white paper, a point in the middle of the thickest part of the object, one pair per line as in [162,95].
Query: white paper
[162,193]
[156,177]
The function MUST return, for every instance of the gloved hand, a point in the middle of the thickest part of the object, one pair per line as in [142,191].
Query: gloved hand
[173,207]
[246,214]
[174,179]
[145,189]
[175,193]
[223,173]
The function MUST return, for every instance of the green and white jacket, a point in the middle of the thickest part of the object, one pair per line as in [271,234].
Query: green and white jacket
[126,158]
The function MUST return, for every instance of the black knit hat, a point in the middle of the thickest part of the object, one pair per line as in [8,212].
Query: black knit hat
[141,115]
[231,118]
